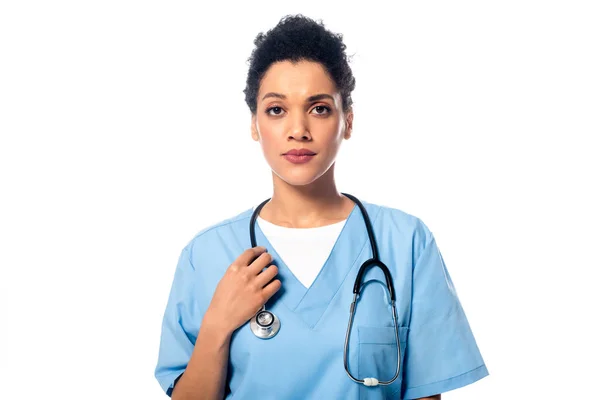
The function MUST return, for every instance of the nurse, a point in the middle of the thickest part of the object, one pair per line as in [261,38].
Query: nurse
[311,241]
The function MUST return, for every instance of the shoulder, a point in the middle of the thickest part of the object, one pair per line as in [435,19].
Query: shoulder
[223,231]
[401,226]
[399,218]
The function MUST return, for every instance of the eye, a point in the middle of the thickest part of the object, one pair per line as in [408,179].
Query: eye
[273,108]
[321,109]
[278,110]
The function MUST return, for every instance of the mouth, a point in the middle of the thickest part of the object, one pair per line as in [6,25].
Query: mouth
[298,159]
[299,152]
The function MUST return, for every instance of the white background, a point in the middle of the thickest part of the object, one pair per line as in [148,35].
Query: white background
[124,132]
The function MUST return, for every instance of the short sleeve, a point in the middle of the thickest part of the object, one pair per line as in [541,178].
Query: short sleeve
[441,353]
[180,325]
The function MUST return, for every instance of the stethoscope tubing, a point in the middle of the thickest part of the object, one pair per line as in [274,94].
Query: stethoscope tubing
[372,262]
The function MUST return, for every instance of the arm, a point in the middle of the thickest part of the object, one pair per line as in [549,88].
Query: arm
[441,353]
[243,289]
[206,380]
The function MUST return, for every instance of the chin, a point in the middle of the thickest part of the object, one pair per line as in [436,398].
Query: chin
[300,179]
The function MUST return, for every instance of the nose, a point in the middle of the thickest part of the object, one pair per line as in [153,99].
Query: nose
[299,128]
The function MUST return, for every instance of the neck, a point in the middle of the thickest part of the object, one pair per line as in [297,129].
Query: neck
[316,204]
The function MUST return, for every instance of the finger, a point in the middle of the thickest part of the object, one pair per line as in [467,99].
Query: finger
[249,255]
[260,263]
[271,289]
[264,277]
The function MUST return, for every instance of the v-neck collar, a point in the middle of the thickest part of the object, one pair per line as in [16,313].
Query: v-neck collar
[310,304]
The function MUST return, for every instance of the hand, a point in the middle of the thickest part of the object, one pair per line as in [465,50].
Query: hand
[243,289]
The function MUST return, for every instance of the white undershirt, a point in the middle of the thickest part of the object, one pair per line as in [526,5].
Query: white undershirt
[291,244]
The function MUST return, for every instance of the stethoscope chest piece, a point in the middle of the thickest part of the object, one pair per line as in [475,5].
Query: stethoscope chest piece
[264,324]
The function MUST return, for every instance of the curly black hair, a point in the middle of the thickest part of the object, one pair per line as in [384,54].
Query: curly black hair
[296,38]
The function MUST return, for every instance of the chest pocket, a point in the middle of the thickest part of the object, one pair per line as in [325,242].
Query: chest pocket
[377,358]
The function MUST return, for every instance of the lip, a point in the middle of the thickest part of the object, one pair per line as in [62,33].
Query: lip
[298,159]
[300,152]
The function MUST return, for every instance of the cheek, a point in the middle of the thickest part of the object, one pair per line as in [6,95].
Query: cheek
[266,131]
[268,134]
[269,147]
[333,142]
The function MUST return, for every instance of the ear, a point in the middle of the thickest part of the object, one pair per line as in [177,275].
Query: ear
[253,129]
[349,118]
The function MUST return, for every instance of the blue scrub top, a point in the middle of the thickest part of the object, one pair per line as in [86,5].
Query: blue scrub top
[305,359]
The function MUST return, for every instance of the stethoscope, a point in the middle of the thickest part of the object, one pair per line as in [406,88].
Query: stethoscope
[265,324]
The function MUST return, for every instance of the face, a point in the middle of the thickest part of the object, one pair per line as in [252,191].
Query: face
[288,116]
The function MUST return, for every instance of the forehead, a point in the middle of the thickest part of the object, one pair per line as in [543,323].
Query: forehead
[297,79]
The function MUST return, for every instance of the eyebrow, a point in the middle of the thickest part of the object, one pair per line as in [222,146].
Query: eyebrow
[315,97]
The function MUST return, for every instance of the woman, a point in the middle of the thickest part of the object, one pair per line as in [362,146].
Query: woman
[309,244]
